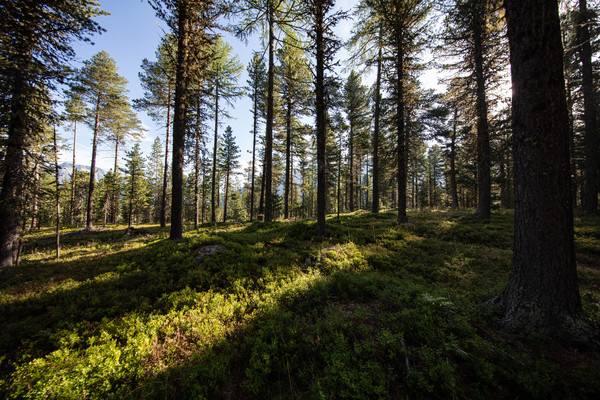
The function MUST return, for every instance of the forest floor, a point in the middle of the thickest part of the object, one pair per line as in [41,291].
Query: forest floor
[374,310]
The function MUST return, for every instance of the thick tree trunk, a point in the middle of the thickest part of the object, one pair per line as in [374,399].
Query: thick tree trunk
[401,135]
[484,181]
[215,186]
[590,203]
[163,201]
[71,213]
[10,194]
[542,294]
[321,119]
[183,25]
[268,174]
[288,155]
[89,221]
[131,196]
[375,207]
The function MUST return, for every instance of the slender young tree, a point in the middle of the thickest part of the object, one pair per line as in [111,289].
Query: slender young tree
[31,63]
[542,295]
[229,163]
[256,90]
[135,172]
[57,191]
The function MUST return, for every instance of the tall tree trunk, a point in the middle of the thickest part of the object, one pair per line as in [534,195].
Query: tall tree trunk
[401,135]
[453,188]
[57,197]
[163,202]
[321,118]
[255,127]
[339,178]
[483,135]
[89,221]
[288,155]
[351,165]
[542,294]
[71,213]
[197,166]
[131,196]
[215,186]
[268,174]
[375,206]
[590,203]
[183,27]
[115,191]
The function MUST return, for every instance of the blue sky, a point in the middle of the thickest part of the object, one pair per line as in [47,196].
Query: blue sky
[132,33]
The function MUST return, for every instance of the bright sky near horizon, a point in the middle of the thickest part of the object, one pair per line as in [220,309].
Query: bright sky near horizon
[133,32]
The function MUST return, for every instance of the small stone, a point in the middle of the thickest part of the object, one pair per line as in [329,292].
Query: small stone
[308,262]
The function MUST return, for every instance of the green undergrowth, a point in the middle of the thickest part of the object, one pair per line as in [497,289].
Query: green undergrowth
[373,310]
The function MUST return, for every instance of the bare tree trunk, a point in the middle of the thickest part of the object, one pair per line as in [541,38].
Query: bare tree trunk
[226,195]
[375,206]
[57,198]
[163,205]
[483,135]
[351,166]
[215,186]
[321,119]
[183,25]
[90,201]
[36,184]
[268,166]
[288,155]
[542,295]
[71,214]
[401,135]
[197,167]
[255,127]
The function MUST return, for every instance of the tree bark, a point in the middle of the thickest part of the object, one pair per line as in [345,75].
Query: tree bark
[351,166]
[57,194]
[321,118]
[268,175]
[589,106]
[36,184]
[183,26]
[288,155]
[542,294]
[483,134]
[71,214]
[375,206]
[90,200]
[197,167]
[255,127]
[214,187]
[226,195]
[401,135]
[163,203]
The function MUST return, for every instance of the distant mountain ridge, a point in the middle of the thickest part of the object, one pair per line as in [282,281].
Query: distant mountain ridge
[66,168]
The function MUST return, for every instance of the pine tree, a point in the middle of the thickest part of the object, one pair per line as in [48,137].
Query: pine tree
[74,113]
[136,187]
[256,90]
[155,175]
[542,294]
[103,89]
[229,163]
[32,63]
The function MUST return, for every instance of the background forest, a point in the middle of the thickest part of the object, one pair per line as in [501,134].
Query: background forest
[364,243]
